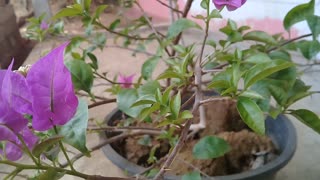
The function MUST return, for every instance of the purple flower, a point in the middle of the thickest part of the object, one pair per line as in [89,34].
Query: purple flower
[231,4]
[44,25]
[53,99]
[14,101]
[13,147]
[125,81]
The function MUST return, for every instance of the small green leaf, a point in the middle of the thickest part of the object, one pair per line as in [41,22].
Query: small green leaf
[175,105]
[309,49]
[166,95]
[99,10]
[94,60]
[251,114]
[149,88]
[185,115]
[51,174]
[314,25]
[180,25]
[204,4]
[143,100]
[279,94]
[298,14]
[44,145]
[87,4]
[148,67]
[257,58]
[215,14]
[170,74]
[260,36]
[67,12]
[114,24]
[210,147]
[192,176]
[82,75]
[125,99]
[263,70]
[251,94]
[75,131]
[307,117]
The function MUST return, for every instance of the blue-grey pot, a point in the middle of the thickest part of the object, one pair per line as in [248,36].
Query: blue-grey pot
[280,130]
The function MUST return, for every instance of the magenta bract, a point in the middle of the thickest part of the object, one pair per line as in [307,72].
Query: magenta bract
[231,4]
[126,81]
[53,99]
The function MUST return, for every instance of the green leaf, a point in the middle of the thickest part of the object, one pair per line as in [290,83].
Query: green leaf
[314,25]
[307,117]
[148,67]
[257,58]
[50,174]
[44,145]
[185,115]
[251,114]
[166,95]
[125,99]
[260,36]
[215,14]
[175,105]
[222,80]
[114,24]
[192,176]
[279,94]
[251,94]
[309,49]
[263,70]
[298,14]
[143,100]
[94,60]
[75,130]
[149,88]
[99,10]
[210,147]
[180,25]
[170,74]
[67,12]
[87,4]
[82,75]
[204,4]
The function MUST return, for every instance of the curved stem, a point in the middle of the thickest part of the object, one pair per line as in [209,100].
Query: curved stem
[101,103]
[288,42]
[41,167]
[64,151]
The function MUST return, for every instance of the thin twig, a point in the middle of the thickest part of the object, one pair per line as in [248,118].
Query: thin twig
[19,175]
[121,129]
[121,34]
[107,101]
[184,14]
[288,42]
[97,97]
[214,99]
[173,9]
[195,168]
[131,49]
[113,139]
[152,28]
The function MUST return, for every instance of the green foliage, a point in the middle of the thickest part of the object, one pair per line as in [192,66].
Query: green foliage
[210,147]
[45,145]
[181,25]
[192,176]
[148,67]
[299,13]
[260,36]
[307,117]
[75,131]
[251,114]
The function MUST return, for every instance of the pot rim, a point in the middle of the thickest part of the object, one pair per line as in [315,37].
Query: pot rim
[288,150]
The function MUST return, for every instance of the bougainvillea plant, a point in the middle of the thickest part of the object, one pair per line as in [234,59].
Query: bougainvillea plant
[40,112]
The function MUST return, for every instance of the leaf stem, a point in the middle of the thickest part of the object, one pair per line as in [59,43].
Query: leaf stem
[64,150]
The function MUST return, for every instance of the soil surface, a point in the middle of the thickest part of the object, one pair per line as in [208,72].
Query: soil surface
[248,150]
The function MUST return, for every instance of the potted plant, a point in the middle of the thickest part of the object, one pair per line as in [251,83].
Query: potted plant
[177,121]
